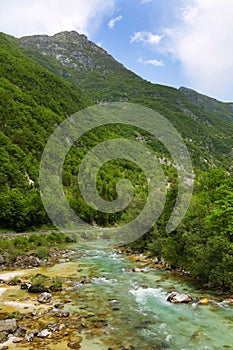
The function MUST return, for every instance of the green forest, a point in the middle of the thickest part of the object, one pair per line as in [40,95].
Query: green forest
[38,93]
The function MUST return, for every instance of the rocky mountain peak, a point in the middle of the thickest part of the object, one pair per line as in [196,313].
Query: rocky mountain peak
[70,35]
[73,50]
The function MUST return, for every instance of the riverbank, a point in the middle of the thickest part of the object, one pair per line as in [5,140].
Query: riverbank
[93,307]
[156,263]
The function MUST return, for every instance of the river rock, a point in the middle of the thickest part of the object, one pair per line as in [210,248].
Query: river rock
[85,280]
[9,325]
[3,258]
[177,298]
[37,288]
[15,340]
[14,282]
[203,301]
[21,331]
[44,333]
[3,336]
[29,337]
[4,347]
[75,343]
[137,269]
[44,298]
[62,314]
[25,285]
[62,326]
[229,300]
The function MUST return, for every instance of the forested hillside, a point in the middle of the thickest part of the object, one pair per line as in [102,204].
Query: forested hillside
[44,80]
[207,134]
[33,102]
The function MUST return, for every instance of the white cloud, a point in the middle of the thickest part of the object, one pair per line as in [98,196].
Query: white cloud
[153,62]
[203,43]
[146,37]
[26,17]
[113,21]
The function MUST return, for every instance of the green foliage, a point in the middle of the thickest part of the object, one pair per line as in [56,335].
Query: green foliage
[33,102]
[39,280]
[56,237]
[13,253]
[37,240]
[42,252]
[34,243]
[203,242]
[56,284]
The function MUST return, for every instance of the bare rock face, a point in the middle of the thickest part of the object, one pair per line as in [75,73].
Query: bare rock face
[73,50]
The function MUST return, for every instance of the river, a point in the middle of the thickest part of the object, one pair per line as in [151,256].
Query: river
[134,308]
[137,311]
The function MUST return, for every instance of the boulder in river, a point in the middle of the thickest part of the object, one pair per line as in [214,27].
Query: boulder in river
[177,298]
[44,298]
[203,301]
[137,269]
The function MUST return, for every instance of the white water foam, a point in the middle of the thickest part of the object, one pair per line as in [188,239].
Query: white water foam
[104,280]
[142,295]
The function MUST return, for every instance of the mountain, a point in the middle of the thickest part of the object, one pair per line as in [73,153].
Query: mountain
[211,105]
[46,79]
[207,130]
[43,81]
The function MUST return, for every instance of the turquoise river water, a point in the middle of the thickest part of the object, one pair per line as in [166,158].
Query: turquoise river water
[135,308]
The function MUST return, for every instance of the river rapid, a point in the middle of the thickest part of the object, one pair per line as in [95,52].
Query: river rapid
[133,306]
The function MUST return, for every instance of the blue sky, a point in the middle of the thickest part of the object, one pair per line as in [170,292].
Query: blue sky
[171,42]
[135,37]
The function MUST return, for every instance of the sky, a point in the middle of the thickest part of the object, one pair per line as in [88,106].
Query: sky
[170,42]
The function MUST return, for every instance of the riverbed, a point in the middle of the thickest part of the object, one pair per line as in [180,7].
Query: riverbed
[132,306]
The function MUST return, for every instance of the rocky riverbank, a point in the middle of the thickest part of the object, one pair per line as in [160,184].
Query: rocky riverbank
[29,299]
[145,264]
[53,305]
[29,260]
[35,304]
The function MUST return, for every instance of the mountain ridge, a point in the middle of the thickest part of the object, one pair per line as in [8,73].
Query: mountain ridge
[102,78]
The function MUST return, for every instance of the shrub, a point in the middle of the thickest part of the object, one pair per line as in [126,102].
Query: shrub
[42,253]
[56,285]
[13,253]
[20,242]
